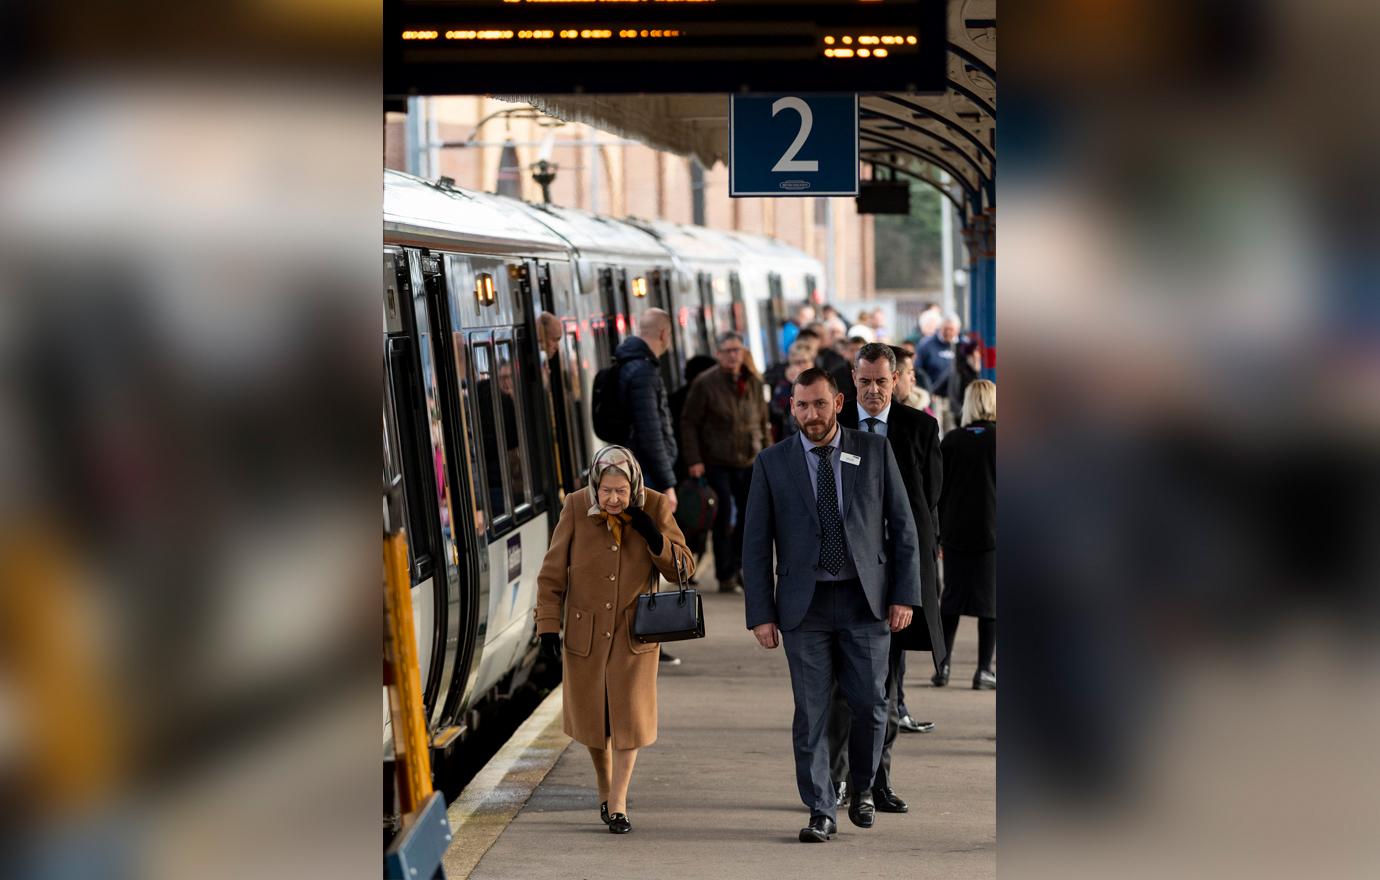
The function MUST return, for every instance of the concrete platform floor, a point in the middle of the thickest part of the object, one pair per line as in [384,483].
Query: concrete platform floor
[715,796]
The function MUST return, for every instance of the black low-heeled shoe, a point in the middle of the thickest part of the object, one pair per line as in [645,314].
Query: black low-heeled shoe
[604,812]
[619,824]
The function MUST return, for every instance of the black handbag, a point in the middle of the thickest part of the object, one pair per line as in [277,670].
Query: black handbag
[671,616]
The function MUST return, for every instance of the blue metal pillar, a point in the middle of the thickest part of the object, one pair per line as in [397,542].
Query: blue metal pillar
[985,290]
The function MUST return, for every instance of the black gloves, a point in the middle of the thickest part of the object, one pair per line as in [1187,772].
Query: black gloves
[551,646]
[641,522]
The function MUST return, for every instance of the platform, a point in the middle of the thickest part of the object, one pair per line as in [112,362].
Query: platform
[715,796]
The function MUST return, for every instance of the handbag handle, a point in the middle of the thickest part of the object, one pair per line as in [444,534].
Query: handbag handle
[680,577]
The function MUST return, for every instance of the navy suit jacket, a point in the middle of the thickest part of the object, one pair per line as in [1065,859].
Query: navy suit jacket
[781,516]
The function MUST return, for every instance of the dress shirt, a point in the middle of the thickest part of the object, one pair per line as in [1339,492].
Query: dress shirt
[864,415]
[849,570]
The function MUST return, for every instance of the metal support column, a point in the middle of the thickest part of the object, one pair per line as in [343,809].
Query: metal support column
[417,851]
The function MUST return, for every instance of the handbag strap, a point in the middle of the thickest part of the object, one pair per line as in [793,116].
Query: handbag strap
[680,574]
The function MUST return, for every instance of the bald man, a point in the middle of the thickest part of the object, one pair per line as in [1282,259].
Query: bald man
[549,333]
[650,434]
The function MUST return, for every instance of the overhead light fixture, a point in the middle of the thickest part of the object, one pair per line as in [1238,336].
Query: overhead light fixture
[639,287]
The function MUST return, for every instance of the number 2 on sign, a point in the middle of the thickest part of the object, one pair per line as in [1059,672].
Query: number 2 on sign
[788,162]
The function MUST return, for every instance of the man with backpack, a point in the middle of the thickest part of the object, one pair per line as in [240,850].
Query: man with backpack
[633,411]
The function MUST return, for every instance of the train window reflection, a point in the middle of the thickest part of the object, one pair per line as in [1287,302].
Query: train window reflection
[492,457]
[510,408]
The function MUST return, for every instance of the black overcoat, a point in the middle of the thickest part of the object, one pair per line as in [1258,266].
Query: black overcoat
[914,439]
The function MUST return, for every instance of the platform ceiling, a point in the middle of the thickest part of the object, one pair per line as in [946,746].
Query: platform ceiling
[954,131]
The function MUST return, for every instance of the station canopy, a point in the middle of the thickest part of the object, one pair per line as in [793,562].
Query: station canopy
[921,135]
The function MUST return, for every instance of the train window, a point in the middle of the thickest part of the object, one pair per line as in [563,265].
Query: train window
[490,439]
[512,413]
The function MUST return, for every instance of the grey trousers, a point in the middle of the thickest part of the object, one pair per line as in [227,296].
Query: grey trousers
[840,723]
[839,644]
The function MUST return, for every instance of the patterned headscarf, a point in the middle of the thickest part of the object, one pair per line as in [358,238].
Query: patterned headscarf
[615,459]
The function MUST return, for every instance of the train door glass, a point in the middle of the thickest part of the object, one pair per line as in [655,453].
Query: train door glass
[577,410]
[707,328]
[739,313]
[464,309]
[513,414]
[605,339]
[657,283]
[492,450]
[771,318]
[621,306]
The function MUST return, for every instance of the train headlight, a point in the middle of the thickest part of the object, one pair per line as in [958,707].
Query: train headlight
[484,289]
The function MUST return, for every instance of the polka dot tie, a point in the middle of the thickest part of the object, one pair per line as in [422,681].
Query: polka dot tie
[827,506]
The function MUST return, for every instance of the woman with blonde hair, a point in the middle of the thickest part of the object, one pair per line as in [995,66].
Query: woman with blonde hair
[613,539]
[968,529]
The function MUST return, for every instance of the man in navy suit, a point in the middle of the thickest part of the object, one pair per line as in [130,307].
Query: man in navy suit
[831,503]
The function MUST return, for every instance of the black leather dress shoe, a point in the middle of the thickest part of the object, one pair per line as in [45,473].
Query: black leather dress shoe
[886,801]
[819,830]
[910,725]
[619,824]
[604,812]
[862,812]
[841,796]
[984,681]
[940,678]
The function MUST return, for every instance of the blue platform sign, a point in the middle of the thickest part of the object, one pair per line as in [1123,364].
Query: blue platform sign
[793,145]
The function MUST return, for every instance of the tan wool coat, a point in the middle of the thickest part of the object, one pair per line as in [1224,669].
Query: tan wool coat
[593,584]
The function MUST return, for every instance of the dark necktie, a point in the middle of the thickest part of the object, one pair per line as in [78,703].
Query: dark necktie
[871,424]
[827,507]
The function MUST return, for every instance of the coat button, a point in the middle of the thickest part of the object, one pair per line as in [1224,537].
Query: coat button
[613,577]
[577,615]
[608,604]
[608,635]
[613,546]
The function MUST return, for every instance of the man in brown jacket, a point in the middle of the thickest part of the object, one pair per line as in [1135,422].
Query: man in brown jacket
[724,425]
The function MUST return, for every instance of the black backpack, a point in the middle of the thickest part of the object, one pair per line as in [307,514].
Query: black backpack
[608,410]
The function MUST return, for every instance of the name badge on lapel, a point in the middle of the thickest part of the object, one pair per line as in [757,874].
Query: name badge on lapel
[849,458]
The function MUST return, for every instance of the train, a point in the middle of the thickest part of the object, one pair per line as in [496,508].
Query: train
[486,421]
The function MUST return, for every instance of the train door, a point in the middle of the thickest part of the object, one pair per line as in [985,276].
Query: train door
[428,423]
[555,413]
[572,371]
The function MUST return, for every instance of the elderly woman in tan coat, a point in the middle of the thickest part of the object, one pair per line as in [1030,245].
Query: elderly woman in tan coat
[612,540]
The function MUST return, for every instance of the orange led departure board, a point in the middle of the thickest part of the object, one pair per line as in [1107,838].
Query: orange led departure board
[621,46]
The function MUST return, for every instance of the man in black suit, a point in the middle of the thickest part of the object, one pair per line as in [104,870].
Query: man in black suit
[914,439]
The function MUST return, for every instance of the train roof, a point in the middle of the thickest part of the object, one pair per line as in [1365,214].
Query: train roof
[692,243]
[599,238]
[429,213]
